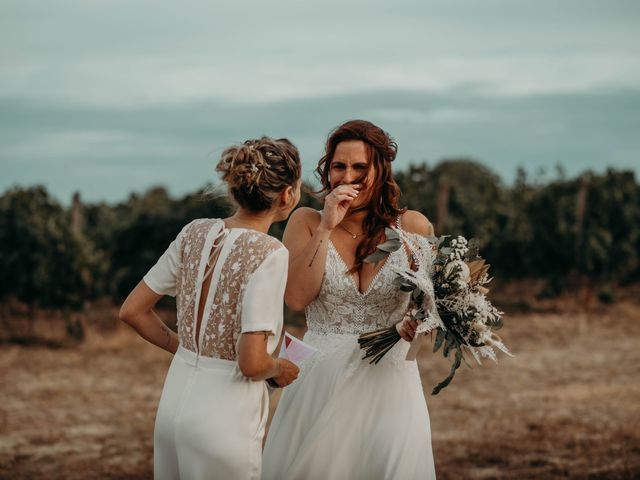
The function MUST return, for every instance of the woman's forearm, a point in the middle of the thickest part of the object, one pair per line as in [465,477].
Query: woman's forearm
[306,270]
[253,359]
[150,327]
[270,368]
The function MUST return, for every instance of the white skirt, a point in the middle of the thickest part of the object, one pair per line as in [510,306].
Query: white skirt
[346,419]
[210,421]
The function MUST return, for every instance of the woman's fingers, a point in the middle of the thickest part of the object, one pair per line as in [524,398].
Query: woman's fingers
[347,187]
[337,203]
[405,333]
[409,328]
[338,197]
[289,372]
[410,325]
[336,206]
[408,335]
[344,190]
[343,197]
[342,193]
[288,380]
[406,327]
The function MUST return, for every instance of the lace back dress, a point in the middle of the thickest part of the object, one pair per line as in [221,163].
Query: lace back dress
[344,418]
[211,420]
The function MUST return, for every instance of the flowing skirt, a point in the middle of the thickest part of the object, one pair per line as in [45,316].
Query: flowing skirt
[210,421]
[346,419]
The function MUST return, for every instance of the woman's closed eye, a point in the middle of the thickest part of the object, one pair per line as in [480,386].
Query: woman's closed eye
[361,167]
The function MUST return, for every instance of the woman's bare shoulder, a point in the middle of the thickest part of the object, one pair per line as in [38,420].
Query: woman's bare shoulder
[305,216]
[415,222]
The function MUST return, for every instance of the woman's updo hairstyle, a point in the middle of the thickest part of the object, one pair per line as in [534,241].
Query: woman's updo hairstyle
[257,171]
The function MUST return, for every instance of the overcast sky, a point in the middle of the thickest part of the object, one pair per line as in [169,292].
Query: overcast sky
[113,96]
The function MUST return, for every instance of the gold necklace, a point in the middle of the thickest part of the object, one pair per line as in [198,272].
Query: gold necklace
[353,235]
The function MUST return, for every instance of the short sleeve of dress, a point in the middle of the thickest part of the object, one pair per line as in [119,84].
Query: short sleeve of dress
[162,276]
[263,301]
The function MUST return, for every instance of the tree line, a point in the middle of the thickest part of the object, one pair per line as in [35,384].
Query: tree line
[587,227]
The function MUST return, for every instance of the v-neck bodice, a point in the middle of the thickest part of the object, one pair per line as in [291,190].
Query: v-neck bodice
[341,308]
[346,267]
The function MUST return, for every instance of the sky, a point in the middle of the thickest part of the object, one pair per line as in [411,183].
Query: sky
[108,97]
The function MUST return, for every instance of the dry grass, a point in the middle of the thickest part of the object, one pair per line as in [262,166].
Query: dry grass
[567,406]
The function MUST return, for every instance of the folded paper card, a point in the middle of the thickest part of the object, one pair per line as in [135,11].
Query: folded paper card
[295,350]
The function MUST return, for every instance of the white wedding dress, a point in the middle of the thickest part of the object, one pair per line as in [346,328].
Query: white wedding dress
[211,420]
[344,418]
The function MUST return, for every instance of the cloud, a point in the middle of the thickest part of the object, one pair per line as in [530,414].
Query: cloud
[418,117]
[130,54]
[151,91]
[70,144]
[107,153]
[133,81]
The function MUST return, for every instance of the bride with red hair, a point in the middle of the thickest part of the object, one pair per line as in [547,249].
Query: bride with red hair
[344,418]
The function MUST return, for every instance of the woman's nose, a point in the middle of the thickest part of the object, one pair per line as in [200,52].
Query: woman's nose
[348,176]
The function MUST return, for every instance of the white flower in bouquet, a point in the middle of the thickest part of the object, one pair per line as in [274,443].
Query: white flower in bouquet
[457,271]
[449,297]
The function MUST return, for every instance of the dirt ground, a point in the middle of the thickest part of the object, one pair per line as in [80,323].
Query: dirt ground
[566,406]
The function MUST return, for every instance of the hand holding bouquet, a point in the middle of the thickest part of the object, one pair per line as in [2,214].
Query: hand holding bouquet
[448,295]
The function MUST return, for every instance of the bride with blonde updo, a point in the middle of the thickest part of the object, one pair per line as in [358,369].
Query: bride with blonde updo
[228,277]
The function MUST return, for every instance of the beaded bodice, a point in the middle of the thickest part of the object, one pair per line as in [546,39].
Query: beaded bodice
[341,308]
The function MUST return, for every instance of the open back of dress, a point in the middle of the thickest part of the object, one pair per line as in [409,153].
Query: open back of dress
[227,259]
[211,419]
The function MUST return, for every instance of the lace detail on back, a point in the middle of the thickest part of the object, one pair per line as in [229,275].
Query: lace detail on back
[223,326]
[341,308]
[191,248]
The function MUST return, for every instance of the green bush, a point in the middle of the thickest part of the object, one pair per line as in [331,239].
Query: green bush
[587,226]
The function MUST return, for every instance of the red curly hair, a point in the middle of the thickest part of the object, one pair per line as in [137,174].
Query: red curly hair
[382,210]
